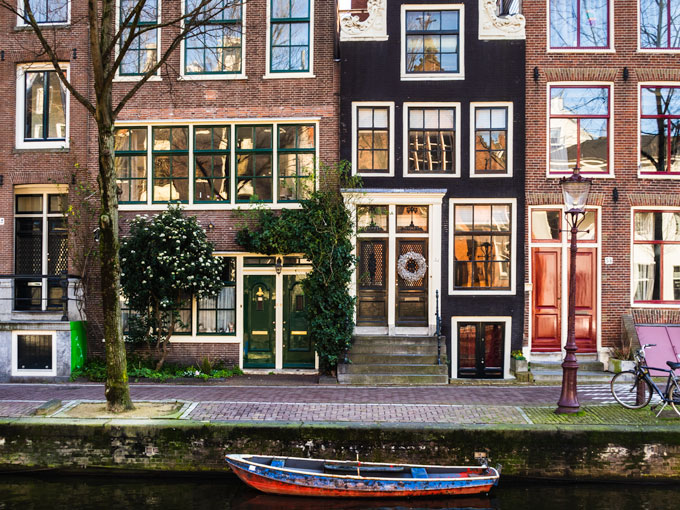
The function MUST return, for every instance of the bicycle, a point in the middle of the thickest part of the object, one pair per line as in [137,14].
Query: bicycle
[633,388]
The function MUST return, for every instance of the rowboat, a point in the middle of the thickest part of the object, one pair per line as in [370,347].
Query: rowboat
[316,477]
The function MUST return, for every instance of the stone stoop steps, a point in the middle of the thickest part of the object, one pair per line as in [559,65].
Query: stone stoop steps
[395,360]
[588,372]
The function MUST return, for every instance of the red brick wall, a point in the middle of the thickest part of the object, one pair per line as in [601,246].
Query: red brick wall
[616,217]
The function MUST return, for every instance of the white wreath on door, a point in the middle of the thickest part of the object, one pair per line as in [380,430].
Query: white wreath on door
[405,273]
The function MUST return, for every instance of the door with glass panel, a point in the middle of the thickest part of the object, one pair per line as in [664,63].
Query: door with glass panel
[371,274]
[480,349]
[41,251]
[259,321]
[298,351]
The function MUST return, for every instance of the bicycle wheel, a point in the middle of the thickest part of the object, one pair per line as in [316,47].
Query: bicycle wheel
[674,397]
[630,391]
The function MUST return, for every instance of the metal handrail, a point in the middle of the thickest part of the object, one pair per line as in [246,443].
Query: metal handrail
[438,331]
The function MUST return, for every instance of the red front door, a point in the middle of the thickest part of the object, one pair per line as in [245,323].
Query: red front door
[546,330]
[586,299]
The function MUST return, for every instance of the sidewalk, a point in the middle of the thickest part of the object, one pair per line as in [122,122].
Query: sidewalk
[299,399]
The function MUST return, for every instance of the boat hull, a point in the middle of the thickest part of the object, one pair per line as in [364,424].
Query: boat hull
[296,483]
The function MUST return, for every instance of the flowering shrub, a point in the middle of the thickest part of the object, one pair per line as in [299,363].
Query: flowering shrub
[165,260]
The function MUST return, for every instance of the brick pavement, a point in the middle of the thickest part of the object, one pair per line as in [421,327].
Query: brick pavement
[313,403]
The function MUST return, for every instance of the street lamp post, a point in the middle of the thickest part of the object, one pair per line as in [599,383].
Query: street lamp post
[575,190]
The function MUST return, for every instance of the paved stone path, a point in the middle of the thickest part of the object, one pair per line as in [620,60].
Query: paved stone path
[314,403]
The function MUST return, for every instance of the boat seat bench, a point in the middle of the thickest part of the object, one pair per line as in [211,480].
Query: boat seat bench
[278,463]
[418,472]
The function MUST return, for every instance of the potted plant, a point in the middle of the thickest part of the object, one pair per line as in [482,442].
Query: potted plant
[621,356]
[518,363]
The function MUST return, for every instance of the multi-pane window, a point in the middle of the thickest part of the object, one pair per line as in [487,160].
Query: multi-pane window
[130,160]
[46,11]
[170,164]
[41,250]
[296,151]
[254,160]
[660,130]
[141,56]
[660,24]
[290,35]
[217,315]
[491,140]
[44,106]
[431,140]
[582,24]
[215,46]
[482,246]
[656,256]
[432,42]
[373,139]
[579,129]
[211,164]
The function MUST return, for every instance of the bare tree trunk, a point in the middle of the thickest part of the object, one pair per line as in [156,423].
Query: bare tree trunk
[117,389]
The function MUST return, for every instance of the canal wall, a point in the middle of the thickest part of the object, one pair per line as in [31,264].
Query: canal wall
[557,452]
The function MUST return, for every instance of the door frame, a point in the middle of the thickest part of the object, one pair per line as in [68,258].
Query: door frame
[392,198]
[453,342]
[564,245]
[278,305]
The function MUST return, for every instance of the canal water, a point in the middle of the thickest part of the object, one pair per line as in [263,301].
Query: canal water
[148,493]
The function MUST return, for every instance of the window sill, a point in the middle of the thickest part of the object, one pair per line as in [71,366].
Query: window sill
[432,77]
[131,79]
[431,175]
[661,176]
[477,292]
[282,76]
[211,77]
[490,176]
[581,50]
[658,304]
[584,174]
[375,174]
[658,50]
[29,28]
[41,147]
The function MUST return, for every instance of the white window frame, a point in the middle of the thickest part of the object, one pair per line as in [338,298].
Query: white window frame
[20,143]
[16,371]
[476,291]
[508,105]
[128,78]
[22,23]
[149,205]
[610,33]
[268,74]
[405,140]
[507,337]
[214,76]
[355,129]
[611,133]
[642,304]
[646,84]
[460,75]
[640,49]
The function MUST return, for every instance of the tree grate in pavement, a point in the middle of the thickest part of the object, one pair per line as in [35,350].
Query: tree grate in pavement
[601,415]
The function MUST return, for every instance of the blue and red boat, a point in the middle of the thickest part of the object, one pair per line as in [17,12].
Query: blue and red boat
[316,477]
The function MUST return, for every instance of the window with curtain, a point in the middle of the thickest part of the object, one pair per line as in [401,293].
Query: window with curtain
[217,315]
[656,251]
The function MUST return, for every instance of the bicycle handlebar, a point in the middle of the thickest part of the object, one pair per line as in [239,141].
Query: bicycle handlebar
[646,346]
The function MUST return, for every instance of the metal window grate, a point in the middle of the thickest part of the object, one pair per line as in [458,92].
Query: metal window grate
[34,352]
[372,264]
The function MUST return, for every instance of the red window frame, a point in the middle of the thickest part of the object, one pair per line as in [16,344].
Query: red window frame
[661,257]
[668,133]
[578,129]
[578,30]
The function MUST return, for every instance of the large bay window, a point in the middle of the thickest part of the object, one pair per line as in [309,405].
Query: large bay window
[579,129]
[660,130]
[656,257]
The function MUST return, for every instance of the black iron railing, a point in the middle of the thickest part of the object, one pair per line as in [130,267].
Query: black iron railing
[28,295]
[438,330]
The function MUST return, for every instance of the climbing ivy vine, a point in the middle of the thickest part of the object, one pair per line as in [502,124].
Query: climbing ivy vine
[322,230]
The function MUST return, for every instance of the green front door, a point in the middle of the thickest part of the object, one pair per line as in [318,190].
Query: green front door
[297,347]
[260,321]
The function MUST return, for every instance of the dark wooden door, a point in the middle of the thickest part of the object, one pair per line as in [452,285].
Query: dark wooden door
[259,328]
[372,282]
[480,349]
[546,277]
[586,299]
[411,296]
[298,351]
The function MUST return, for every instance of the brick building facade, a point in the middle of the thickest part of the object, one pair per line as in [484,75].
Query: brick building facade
[601,95]
[242,114]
